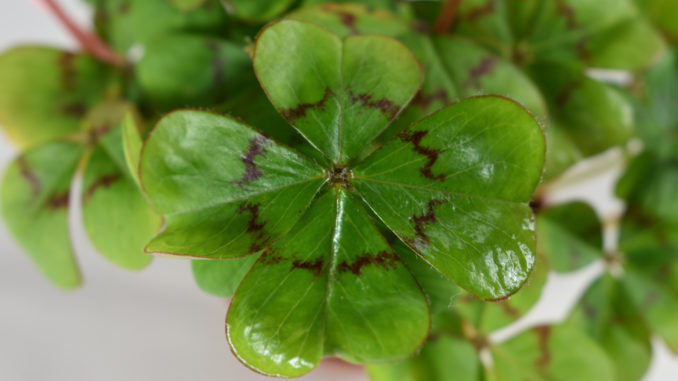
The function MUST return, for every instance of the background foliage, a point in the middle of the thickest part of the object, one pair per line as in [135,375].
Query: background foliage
[71,112]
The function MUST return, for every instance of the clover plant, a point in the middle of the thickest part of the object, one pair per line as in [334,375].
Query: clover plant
[365,179]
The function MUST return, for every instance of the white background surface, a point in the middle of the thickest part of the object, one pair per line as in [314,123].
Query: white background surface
[157,325]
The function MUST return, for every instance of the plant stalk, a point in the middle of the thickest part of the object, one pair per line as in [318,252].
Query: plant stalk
[89,42]
[446,17]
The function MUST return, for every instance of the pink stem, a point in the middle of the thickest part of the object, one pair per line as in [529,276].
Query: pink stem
[89,42]
[446,16]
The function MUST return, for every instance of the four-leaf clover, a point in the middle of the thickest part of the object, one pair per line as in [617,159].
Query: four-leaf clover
[454,187]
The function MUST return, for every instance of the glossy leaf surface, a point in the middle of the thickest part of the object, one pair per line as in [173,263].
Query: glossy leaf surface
[570,235]
[225,190]
[35,194]
[487,317]
[47,92]
[332,285]
[352,95]
[462,179]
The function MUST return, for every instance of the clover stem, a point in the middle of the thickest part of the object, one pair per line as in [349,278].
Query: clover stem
[446,17]
[88,41]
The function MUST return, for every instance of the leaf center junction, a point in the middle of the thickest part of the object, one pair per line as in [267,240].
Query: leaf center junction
[340,176]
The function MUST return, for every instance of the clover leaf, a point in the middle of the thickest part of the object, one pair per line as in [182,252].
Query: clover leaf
[328,281]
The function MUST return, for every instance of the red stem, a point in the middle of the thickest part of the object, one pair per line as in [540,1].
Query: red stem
[89,42]
[446,16]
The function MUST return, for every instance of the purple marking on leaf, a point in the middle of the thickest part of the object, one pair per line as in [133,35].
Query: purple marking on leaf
[485,67]
[29,175]
[565,95]
[387,107]
[347,19]
[564,9]
[315,267]
[102,182]
[58,201]
[301,109]
[252,172]
[426,218]
[383,259]
[76,110]
[254,226]
[424,101]
[415,137]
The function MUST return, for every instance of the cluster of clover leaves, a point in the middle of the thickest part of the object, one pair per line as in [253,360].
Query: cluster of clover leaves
[363,170]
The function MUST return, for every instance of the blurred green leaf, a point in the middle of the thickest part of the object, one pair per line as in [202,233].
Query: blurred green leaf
[607,314]
[117,219]
[570,235]
[46,92]
[550,353]
[442,358]
[35,194]
[183,70]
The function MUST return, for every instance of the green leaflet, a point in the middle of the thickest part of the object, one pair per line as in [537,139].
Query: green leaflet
[352,95]
[226,190]
[442,358]
[553,353]
[221,278]
[454,67]
[185,70]
[117,219]
[607,314]
[46,92]
[570,235]
[332,284]
[457,176]
[35,193]
[256,11]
